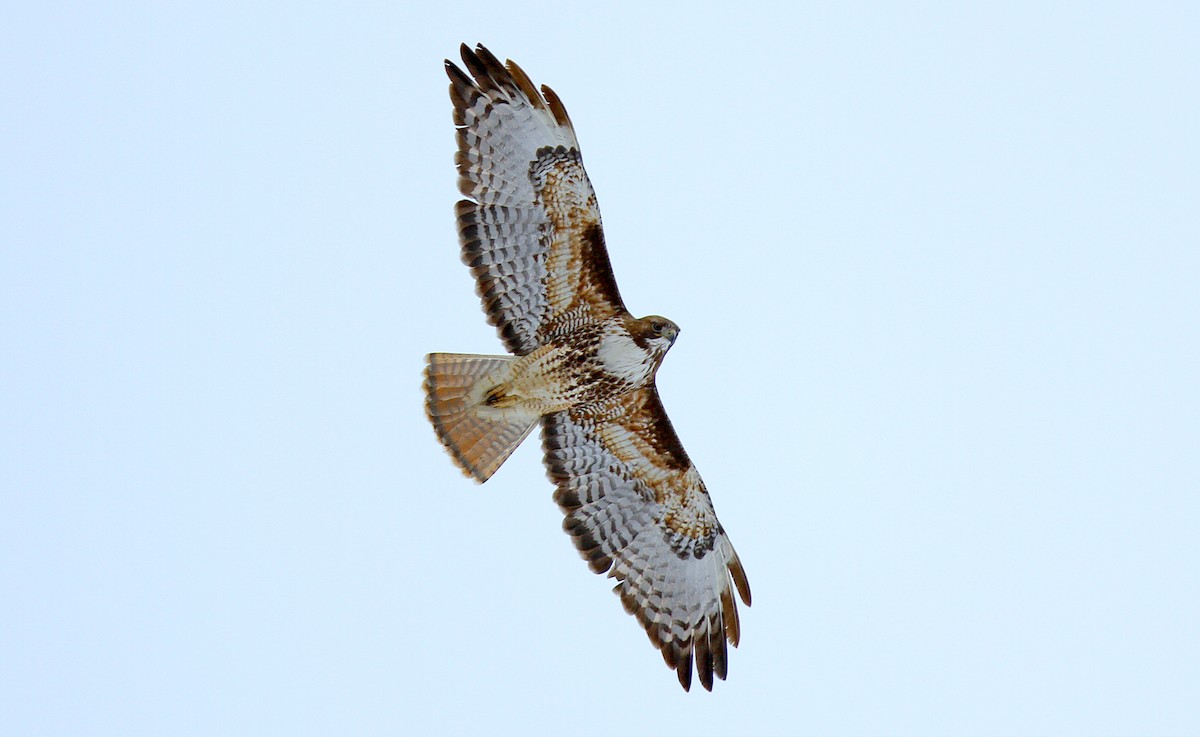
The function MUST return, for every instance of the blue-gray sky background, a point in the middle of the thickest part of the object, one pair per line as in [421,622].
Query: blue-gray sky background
[936,268]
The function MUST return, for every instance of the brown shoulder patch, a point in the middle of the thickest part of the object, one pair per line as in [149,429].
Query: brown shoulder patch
[578,257]
[650,423]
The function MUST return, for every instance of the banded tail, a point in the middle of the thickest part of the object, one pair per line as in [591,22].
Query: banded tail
[478,433]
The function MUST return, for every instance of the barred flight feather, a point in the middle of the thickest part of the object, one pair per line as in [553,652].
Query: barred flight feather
[617,521]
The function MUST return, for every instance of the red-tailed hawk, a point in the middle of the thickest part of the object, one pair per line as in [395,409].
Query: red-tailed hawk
[582,366]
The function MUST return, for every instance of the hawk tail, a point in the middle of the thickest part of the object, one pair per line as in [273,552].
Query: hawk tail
[478,434]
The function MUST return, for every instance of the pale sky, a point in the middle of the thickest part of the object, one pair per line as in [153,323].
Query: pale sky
[936,270]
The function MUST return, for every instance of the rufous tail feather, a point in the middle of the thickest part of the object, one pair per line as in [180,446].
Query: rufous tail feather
[478,434]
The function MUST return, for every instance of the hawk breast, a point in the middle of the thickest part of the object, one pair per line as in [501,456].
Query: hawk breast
[623,358]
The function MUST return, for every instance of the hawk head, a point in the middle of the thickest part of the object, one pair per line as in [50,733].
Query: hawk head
[656,334]
[632,349]
[653,327]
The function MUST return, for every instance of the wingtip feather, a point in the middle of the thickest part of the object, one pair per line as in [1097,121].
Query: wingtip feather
[739,579]
[557,109]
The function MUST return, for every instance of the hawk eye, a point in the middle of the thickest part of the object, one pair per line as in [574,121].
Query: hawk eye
[656,326]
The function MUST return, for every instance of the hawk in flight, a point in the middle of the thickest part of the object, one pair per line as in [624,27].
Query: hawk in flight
[582,367]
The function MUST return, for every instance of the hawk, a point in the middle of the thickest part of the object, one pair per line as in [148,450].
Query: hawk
[581,366]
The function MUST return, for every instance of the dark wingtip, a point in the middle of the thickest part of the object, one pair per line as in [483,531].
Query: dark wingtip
[684,670]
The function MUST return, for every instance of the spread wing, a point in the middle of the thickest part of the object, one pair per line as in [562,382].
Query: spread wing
[531,231]
[636,508]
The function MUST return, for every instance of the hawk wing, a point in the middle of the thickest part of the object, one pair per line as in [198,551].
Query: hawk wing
[636,508]
[531,231]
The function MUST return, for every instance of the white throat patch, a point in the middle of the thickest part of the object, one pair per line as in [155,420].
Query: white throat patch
[624,359]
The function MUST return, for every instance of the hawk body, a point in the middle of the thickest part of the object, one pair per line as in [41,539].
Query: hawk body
[582,366]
